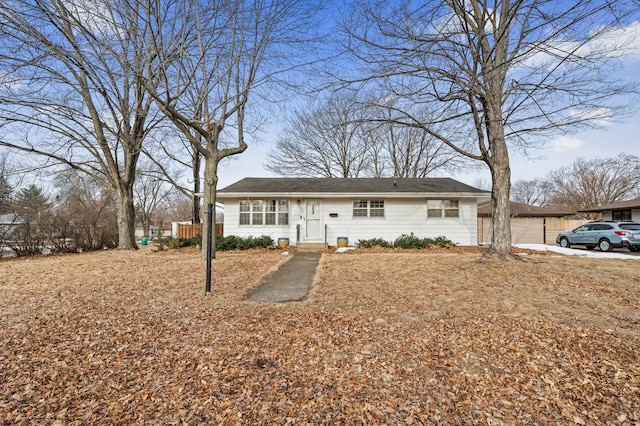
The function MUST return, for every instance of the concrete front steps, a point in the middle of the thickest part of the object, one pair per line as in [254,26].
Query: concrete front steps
[310,247]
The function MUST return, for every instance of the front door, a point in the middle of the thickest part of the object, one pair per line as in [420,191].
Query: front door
[313,218]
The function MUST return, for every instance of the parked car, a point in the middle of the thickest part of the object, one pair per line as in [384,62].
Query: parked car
[604,235]
[634,235]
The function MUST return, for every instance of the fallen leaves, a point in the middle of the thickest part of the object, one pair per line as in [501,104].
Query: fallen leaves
[384,338]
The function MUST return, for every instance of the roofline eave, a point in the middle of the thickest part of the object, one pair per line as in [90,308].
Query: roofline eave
[352,195]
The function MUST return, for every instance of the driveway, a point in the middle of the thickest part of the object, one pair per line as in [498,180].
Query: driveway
[616,254]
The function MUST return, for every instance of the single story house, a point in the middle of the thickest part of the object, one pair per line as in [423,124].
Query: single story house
[621,211]
[529,224]
[320,210]
[154,231]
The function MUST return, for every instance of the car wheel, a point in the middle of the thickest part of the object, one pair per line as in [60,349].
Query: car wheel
[564,242]
[634,248]
[590,247]
[605,245]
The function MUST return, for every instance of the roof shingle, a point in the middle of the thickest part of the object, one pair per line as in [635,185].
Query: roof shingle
[349,186]
[526,210]
[630,204]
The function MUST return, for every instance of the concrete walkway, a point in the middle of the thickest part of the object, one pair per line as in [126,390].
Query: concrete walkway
[291,282]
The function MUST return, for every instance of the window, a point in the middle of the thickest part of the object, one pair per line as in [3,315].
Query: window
[283,212]
[264,212]
[368,208]
[245,213]
[601,227]
[621,215]
[442,208]
[376,208]
[256,208]
[360,208]
[270,212]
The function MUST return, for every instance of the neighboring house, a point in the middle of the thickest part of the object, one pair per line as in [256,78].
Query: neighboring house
[8,222]
[622,211]
[154,231]
[321,210]
[529,224]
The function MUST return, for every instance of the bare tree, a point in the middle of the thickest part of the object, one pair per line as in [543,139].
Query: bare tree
[491,75]
[150,192]
[85,212]
[327,140]
[177,207]
[171,151]
[344,137]
[74,89]
[219,57]
[404,151]
[535,192]
[596,182]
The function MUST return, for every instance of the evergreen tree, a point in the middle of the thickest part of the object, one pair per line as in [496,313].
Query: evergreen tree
[5,195]
[5,187]
[31,203]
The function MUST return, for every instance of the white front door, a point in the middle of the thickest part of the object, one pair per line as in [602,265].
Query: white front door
[313,218]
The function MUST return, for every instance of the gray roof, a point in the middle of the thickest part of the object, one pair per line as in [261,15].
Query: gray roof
[526,210]
[349,186]
[630,204]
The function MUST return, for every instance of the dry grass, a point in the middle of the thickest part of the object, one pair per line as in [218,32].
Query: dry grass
[420,287]
[384,338]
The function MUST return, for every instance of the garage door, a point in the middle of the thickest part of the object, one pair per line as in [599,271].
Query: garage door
[527,230]
[523,230]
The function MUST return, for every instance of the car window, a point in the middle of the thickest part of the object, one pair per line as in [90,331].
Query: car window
[582,228]
[630,226]
[601,227]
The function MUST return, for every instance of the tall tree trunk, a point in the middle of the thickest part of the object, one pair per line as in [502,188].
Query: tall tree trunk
[501,211]
[498,163]
[126,218]
[210,187]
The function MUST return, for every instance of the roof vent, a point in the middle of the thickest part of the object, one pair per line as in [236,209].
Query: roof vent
[394,183]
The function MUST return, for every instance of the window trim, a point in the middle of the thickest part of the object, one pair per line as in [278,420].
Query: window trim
[365,206]
[624,215]
[265,210]
[443,208]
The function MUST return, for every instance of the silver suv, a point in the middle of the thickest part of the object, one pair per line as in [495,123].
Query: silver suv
[605,235]
[634,234]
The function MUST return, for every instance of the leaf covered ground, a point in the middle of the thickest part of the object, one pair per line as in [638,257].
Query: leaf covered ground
[385,337]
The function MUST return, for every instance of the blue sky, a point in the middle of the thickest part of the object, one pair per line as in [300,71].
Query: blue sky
[607,141]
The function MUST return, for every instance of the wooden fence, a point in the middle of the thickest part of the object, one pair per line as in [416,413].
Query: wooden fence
[191,230]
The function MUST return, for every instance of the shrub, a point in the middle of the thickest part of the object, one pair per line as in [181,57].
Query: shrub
[373,242]
[409,242]
[233,242]
[413,242]
[263,241]
[442,242]
[174,243]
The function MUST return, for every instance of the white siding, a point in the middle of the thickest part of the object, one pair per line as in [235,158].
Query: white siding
[635,215]
[232,223]
[401,216]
